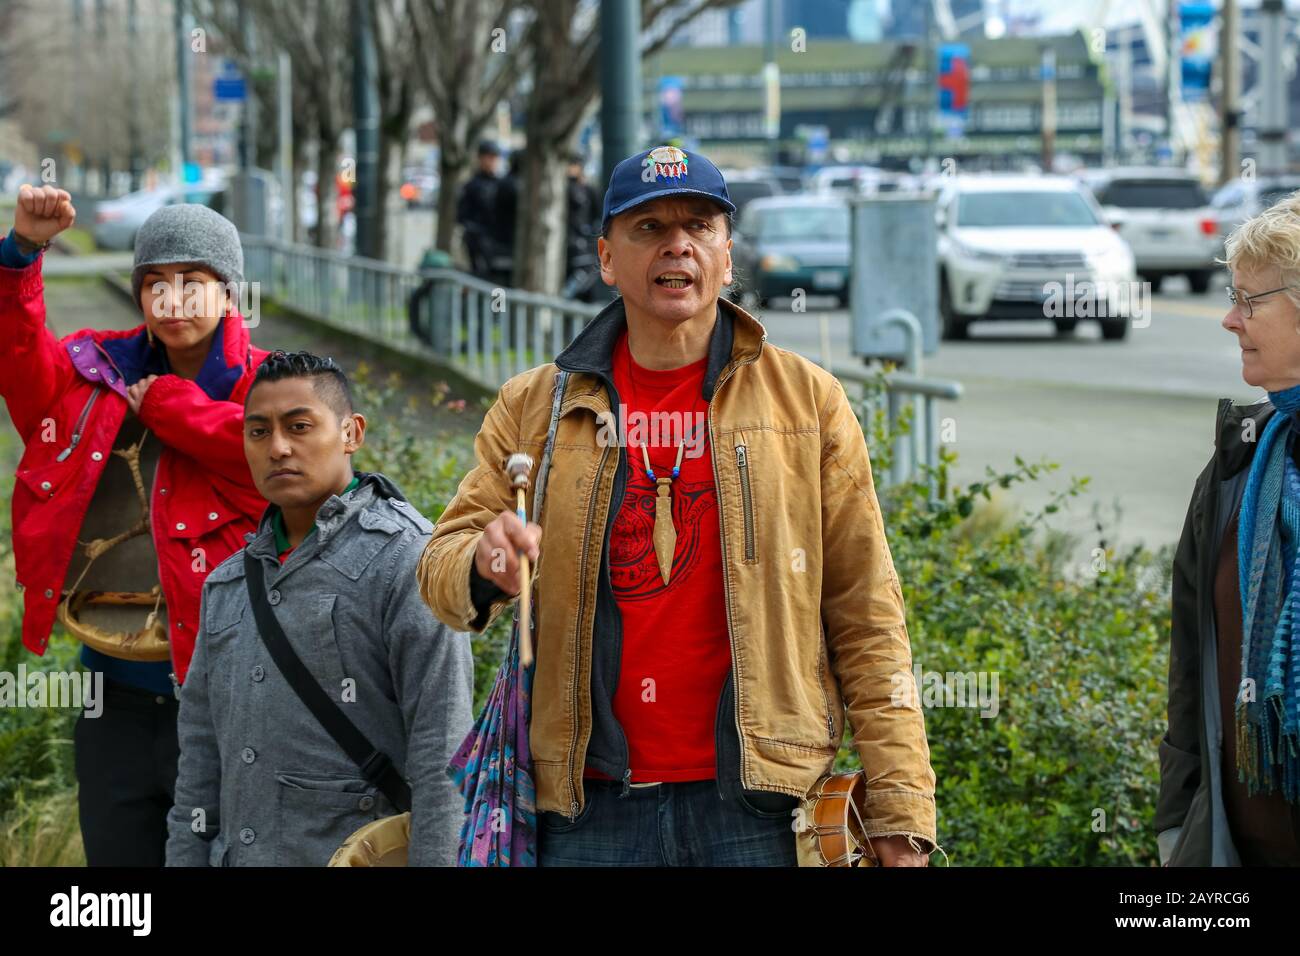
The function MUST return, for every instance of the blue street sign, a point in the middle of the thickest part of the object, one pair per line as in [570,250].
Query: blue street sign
[228,85]
[229,89]
[672,114]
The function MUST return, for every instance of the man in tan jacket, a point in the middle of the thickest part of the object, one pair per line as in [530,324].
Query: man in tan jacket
[715,594]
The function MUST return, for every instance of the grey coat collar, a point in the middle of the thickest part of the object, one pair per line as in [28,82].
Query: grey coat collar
[333,514]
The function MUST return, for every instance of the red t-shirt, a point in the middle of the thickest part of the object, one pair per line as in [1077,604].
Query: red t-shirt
[676,650]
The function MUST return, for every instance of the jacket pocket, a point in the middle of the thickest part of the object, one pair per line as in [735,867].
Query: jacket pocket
[767,805]
[190,523]
[351,554]
[218,850]
[316,633]
[553,822]
[747,504]
[44,481]
[222,612]
[317,811]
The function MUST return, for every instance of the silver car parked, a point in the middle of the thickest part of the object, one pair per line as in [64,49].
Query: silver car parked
[1164,214]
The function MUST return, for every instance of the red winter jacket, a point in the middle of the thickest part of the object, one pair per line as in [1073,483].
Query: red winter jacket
[67,398]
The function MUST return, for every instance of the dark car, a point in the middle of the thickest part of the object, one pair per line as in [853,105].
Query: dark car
[790,243]
[744,186]
[789,178]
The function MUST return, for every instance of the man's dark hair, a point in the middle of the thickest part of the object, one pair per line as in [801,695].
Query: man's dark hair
[329,381]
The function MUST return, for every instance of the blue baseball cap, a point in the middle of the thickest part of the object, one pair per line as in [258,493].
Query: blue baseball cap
[663,171]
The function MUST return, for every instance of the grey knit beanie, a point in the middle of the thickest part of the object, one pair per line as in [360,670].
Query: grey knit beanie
[188,232]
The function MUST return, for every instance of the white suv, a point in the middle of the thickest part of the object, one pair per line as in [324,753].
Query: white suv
[1029,247]
[1166,217]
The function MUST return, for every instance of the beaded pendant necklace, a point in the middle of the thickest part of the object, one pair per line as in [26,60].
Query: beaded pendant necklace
[665,532]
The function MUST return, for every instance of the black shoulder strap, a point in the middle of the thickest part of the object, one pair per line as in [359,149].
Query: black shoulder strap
[376,767]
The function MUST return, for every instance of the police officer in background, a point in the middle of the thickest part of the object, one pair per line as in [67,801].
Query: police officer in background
[476,208]
[584,201]
[581,265]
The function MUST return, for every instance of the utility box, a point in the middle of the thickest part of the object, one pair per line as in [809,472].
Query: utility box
[429,309]
[254,203]
[893,265]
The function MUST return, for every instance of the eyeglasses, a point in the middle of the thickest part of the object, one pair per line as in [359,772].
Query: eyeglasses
[1239,297]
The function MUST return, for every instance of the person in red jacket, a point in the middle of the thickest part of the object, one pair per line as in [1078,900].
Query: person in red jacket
[132,486]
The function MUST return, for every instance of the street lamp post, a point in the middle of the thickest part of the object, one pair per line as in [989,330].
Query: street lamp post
[1048,125]
[620,81]
[183,80]
[365,106]
[1272,126]
[133,94]
[771,83]
[248,124]
[1231,57]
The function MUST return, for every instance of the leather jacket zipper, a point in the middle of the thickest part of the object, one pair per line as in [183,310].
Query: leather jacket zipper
[726,577]
[742,462]
[81,423]
[821,682]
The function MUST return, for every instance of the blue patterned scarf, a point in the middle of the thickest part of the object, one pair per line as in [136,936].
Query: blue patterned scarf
[1268,699]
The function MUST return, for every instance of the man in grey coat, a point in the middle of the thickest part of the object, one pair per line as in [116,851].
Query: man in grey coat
[261,783]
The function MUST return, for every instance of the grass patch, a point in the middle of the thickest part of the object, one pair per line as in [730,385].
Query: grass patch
[80,240]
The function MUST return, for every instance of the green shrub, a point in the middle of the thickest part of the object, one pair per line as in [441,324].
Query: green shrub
[36,767]
[1065,771]
[42,832]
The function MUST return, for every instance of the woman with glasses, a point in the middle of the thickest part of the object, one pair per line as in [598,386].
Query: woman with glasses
[1230,760]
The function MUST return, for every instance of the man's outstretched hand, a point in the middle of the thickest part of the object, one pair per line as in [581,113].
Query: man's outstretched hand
[496,558]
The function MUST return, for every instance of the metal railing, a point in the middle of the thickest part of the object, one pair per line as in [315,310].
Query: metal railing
[486,331]
[905,395]
[490,333]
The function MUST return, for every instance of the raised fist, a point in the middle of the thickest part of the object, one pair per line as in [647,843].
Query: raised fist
[42,213]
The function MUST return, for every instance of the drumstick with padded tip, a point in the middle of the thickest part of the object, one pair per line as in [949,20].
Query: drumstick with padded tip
[518,468]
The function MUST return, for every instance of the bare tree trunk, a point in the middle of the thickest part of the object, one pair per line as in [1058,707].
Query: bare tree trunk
[451,174]
[549,118]
[383,187]
[463,75]
[539,232]
[326,163]
[299,168]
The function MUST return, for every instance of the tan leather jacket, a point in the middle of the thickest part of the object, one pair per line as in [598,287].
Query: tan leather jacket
[814,607]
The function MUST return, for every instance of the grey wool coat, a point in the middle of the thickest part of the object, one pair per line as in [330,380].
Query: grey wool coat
[260,782]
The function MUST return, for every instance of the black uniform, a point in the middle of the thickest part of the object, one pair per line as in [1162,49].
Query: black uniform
[476,211]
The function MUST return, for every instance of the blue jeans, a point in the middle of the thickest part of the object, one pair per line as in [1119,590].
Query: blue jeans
[672,824]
